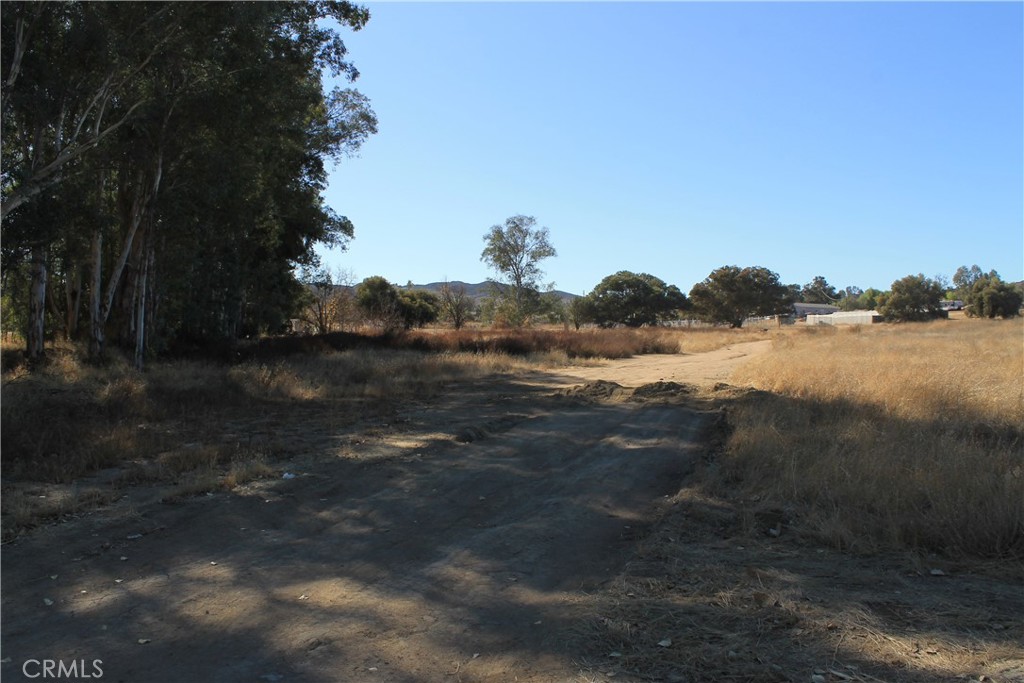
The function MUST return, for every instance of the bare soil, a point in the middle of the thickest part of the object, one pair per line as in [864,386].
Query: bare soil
[540,528]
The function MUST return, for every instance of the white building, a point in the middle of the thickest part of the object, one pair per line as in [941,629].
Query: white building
[845,318]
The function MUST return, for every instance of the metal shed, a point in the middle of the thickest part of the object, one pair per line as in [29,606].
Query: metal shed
[846,318]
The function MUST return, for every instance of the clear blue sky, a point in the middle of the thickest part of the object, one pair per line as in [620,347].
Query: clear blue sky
[859,141]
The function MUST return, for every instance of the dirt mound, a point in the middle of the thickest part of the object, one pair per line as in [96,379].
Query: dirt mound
[478,432]
[662,391]
[597,391]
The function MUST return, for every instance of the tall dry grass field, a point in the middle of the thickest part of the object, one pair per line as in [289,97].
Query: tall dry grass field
[889,436]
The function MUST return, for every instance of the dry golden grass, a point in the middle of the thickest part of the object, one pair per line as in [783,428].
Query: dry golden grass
[889,437]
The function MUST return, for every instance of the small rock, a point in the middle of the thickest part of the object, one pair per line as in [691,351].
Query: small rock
[124,558]
[937,572]
[47,601]
[132,537]
[665,643]
[288,475]
[615,654]
[144,641]
[817,678]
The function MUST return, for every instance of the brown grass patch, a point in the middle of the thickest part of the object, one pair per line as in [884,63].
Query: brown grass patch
[888,437]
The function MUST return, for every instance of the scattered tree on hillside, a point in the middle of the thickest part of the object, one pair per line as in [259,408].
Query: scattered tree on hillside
[456,305]
[991,297]
[634,300]
[731,295]
[514,252]
[819,291]
[913,298]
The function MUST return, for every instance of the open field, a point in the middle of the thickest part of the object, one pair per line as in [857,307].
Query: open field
[383,514]
[889,437]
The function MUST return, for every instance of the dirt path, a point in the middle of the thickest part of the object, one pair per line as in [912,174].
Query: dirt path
[458,541]
[505,530]
[701,369]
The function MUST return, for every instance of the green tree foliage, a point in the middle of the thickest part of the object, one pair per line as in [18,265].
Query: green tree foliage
[819,291]
[514,251]
[579,311]
[848,298]
[964,279]
[731,295]
[634,300]
[380,302]
[164,163]
[990,297]
[418,307]
[913,298]
[868,299]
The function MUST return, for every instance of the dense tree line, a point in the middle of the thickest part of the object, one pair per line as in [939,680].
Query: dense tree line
[163,165]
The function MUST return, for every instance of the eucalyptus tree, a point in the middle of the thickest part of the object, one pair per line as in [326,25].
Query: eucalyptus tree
[514,252]
[187,140]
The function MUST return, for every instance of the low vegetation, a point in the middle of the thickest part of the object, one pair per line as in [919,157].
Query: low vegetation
[181,424]
[888,437]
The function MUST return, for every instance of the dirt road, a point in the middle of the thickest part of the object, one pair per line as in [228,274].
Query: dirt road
[701,369]
[454,543]
[508,530]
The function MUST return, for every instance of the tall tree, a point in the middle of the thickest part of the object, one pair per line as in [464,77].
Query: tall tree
[964,279]
[731,295]
[634,300]
[514,251]
[819,291]
[109,109]
[456,306]
[991,297]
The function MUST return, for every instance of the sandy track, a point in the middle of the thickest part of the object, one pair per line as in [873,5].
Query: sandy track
[702,369]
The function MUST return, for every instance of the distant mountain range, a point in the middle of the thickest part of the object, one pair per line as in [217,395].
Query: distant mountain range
[478,290]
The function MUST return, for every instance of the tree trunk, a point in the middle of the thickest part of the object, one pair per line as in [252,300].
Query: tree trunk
[140,314]
[137,211]
[96,321]
[72,301]
[37,305]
